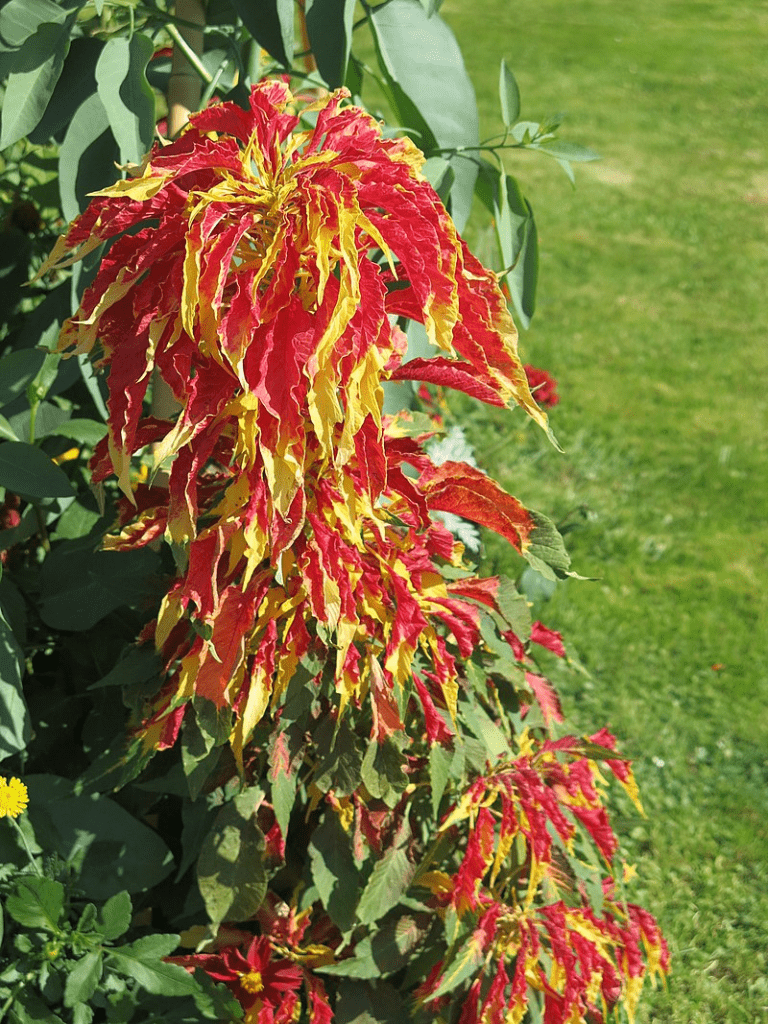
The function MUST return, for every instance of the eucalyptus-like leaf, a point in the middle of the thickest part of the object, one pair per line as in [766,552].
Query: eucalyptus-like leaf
[126,95]
[509,95]
[329,26]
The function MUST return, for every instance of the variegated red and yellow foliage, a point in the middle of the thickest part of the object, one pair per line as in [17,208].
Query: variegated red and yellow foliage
[260,268]
[264,266]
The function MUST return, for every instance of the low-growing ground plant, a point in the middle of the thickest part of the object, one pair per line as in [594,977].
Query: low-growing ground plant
[276,750]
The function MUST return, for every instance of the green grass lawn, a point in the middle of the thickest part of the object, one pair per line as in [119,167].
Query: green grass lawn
[653,318]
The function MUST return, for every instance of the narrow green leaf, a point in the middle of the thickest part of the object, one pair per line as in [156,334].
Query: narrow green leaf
[465,963]
[83,979]
[329,26]
[389,880]
[509,95]
[25,469]
[570,151]
[37,903]
[126,95]
[83,431]
[7,431]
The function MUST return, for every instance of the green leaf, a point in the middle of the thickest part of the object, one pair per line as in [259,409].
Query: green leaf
[509,96]
[230,871]
[440,761]
[340,764]
[334,871]
[88,432]
[7,432]
[25,469]
[389,880]
[87,158]
[80,586]
[37,903]
[329,26]
[383,771]
[546,552]
[76,83]
[113,850]
[18,369]
[465,963]
[15,729]
[139,665]
[202,734]
[368,1002]
[20,19]
[115,916]
[126,95]
[142,961]
[270,22]
[430,73]
[570,151]
[28,1008]
[35,70]
[83,979]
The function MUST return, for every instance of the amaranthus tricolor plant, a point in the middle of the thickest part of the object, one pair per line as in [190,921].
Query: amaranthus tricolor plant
[397,803]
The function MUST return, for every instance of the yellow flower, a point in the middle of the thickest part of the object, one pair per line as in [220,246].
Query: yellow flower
[13,798]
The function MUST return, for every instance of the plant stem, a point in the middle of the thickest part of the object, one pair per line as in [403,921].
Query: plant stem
[32,860]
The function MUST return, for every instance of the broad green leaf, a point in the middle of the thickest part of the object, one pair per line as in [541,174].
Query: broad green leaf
[440,761]
[369,1002]
[115,916]
[20,20]
[81,586]
[389,880]
[83,978]
[270,22]
[27,91]
[26,469]
[334,871]
[514,608]
[139,665]
[114,850]
[142,961]
[15,729]
[383,771]
[419,56]
[37,903]
[88,432]
[82,1013]
[47,418]
[340,764]
[28,1008]
[386,952]
[361,965]
[87,158]
[509,95]
[17,370]
[230,871]
[329,26]
[76,82]
[202,735]
[125,93]
[546,552]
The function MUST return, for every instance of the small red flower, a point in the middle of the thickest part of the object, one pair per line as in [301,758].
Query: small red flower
[266,988]
[543,386]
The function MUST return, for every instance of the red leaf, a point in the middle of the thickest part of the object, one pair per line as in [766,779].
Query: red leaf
[465,491]
[548,638]
[546,697]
